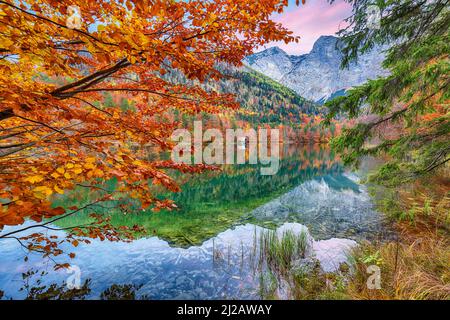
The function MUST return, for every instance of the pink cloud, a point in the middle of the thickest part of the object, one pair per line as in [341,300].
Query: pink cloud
[312,20]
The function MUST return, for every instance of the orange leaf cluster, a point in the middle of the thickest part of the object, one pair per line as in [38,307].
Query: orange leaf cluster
[56,129]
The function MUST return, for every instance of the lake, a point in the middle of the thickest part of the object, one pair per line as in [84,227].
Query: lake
[205,250]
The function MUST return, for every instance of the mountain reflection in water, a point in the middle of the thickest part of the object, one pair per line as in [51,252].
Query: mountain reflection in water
[220,209]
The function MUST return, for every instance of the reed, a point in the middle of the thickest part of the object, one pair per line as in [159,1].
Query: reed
[278,253]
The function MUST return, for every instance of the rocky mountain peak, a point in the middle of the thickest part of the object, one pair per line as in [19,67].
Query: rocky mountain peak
[275,50]
[326,47]
[274,61]
[317,76]
[323,43]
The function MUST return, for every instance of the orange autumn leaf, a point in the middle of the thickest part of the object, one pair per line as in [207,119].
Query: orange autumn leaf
[62,124]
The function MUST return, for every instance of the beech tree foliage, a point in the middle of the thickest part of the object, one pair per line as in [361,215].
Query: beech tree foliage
[406,114]
[59,125]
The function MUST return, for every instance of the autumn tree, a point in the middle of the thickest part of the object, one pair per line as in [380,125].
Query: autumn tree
[407,112]
[60,124]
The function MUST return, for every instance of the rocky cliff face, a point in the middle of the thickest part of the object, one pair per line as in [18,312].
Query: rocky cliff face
[317,76]
[273,62]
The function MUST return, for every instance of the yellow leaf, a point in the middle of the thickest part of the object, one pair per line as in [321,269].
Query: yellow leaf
[90,159]
[89,166]
[69,165]
[58,189]
[61,170]
[42,192]
[67,175]
[7,42]
[78,171]
[34,179]
[55,175]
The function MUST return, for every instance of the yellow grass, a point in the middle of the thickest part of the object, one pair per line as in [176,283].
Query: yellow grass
[417,265]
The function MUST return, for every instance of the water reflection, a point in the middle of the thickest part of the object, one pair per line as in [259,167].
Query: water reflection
[221,268]
[176,259]
[331,206]
[214,201]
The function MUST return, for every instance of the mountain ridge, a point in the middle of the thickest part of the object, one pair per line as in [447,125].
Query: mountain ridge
[317,76]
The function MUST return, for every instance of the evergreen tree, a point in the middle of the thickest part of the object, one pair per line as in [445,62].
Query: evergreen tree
[414,97]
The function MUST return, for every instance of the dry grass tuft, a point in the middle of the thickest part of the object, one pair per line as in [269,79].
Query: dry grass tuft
[417,266]
[419,270]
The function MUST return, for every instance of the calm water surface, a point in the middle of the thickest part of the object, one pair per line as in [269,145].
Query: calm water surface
[204,250]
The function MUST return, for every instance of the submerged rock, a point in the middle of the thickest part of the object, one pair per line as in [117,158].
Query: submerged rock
[222,267]
[333,252]
[329,253]
[332,206]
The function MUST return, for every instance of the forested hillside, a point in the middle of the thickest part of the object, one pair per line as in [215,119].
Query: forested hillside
[262,100]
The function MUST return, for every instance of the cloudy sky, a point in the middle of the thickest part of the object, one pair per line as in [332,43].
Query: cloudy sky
[310,21]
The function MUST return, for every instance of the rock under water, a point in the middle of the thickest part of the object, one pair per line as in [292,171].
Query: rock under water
[221,268]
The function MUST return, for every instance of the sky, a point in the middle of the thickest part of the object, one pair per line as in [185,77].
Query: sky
[310,21]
